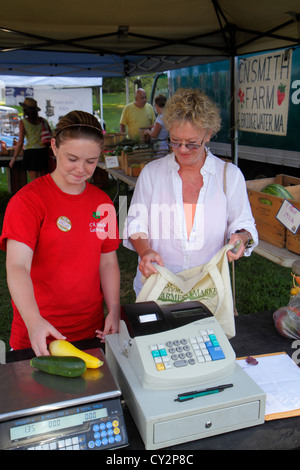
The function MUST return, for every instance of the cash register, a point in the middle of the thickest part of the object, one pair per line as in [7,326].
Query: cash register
[178,374]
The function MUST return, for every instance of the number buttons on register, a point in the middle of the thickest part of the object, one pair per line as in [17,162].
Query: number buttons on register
[187,351]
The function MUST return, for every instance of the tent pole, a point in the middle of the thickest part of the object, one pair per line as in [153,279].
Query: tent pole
[101,105]
[233,104]
[127,89]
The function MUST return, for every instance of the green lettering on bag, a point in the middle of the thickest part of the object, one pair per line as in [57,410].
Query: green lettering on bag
[172,294]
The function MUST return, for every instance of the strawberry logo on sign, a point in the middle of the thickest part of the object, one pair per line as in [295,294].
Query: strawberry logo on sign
[280,94]
[241,95]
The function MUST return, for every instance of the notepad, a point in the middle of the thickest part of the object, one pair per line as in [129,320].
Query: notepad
[279,377]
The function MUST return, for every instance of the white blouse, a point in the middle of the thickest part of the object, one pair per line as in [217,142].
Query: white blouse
[157,210]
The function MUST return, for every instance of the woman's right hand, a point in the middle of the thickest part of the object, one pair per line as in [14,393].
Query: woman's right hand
[38,334]
[12,162]
[146,265]
[147,255]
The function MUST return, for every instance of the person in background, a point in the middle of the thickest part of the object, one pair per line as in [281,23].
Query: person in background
[136,115]
[36,154]
[188,184]
[60,235]
[158,131]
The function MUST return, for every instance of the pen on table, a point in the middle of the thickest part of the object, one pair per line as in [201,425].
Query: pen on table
[200,393]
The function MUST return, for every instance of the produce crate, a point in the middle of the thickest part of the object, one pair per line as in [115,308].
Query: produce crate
[268,227]
[113,138]
[293,240]
[135,169]
[135,158]
[284,180]
[133,162]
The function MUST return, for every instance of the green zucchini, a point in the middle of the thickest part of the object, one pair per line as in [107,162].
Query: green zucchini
[67,366]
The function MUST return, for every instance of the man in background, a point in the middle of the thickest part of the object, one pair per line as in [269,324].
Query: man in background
[136,115]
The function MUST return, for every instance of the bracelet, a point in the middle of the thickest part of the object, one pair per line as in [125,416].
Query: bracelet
[250,240]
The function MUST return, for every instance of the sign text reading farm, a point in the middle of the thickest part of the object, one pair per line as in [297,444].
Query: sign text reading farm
[263,92]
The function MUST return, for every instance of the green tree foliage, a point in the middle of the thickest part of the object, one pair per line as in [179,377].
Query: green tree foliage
[118,85]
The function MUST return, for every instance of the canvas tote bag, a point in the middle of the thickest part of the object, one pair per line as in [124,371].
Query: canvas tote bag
[209,283]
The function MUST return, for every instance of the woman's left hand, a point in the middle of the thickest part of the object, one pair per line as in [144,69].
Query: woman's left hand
[236,238]
[111,326]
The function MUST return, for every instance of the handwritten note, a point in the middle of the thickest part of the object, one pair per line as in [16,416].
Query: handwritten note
[279,378]
[289,216]
[112,162]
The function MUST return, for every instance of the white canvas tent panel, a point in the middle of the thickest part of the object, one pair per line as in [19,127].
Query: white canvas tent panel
[54,82]
[55,103]
[40,83]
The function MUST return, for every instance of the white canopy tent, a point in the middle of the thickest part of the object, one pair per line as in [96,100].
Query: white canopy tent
[117,38]
[40,82]
[122,39]
[55,82]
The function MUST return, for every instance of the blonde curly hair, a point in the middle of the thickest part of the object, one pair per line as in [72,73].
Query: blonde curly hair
[193,106]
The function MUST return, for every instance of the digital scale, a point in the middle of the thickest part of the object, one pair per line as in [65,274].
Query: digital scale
[39,411]
[164,352]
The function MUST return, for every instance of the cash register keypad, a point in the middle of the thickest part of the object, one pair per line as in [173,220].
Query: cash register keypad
[187,351]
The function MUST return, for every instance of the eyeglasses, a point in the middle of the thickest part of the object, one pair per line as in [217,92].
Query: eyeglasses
[177,145]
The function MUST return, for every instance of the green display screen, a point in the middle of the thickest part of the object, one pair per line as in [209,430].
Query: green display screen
[46,426]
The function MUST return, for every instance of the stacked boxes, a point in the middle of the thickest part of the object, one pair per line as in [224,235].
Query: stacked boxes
[265,208]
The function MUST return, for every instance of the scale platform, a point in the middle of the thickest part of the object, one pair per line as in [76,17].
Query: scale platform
[39,410]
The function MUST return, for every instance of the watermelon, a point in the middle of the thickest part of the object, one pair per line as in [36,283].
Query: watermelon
[277,190]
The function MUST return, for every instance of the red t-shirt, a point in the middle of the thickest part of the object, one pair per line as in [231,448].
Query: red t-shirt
[67,233]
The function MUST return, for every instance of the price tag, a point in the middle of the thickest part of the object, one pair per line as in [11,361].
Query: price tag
[112,162]
[289,216]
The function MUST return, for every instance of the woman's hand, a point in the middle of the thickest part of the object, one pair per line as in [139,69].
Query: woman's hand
[147,259]
[147,255]
[38,333]
[111,326]
[239,240]
[12,162]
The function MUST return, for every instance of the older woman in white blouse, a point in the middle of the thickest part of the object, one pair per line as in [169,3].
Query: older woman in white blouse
[180,216]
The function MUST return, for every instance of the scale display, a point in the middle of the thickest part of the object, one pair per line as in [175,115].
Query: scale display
[55,424]
[95,426]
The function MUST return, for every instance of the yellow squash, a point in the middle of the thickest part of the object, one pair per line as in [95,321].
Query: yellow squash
[64,348]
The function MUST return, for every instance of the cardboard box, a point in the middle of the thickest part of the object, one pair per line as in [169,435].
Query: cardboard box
[293,240]
[265,208]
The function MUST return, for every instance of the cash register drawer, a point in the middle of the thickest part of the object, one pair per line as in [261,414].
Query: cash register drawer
[210,423]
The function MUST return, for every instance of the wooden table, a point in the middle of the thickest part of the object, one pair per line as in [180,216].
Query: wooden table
[255,334]
[16,176]
[120,177]
[281,256]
